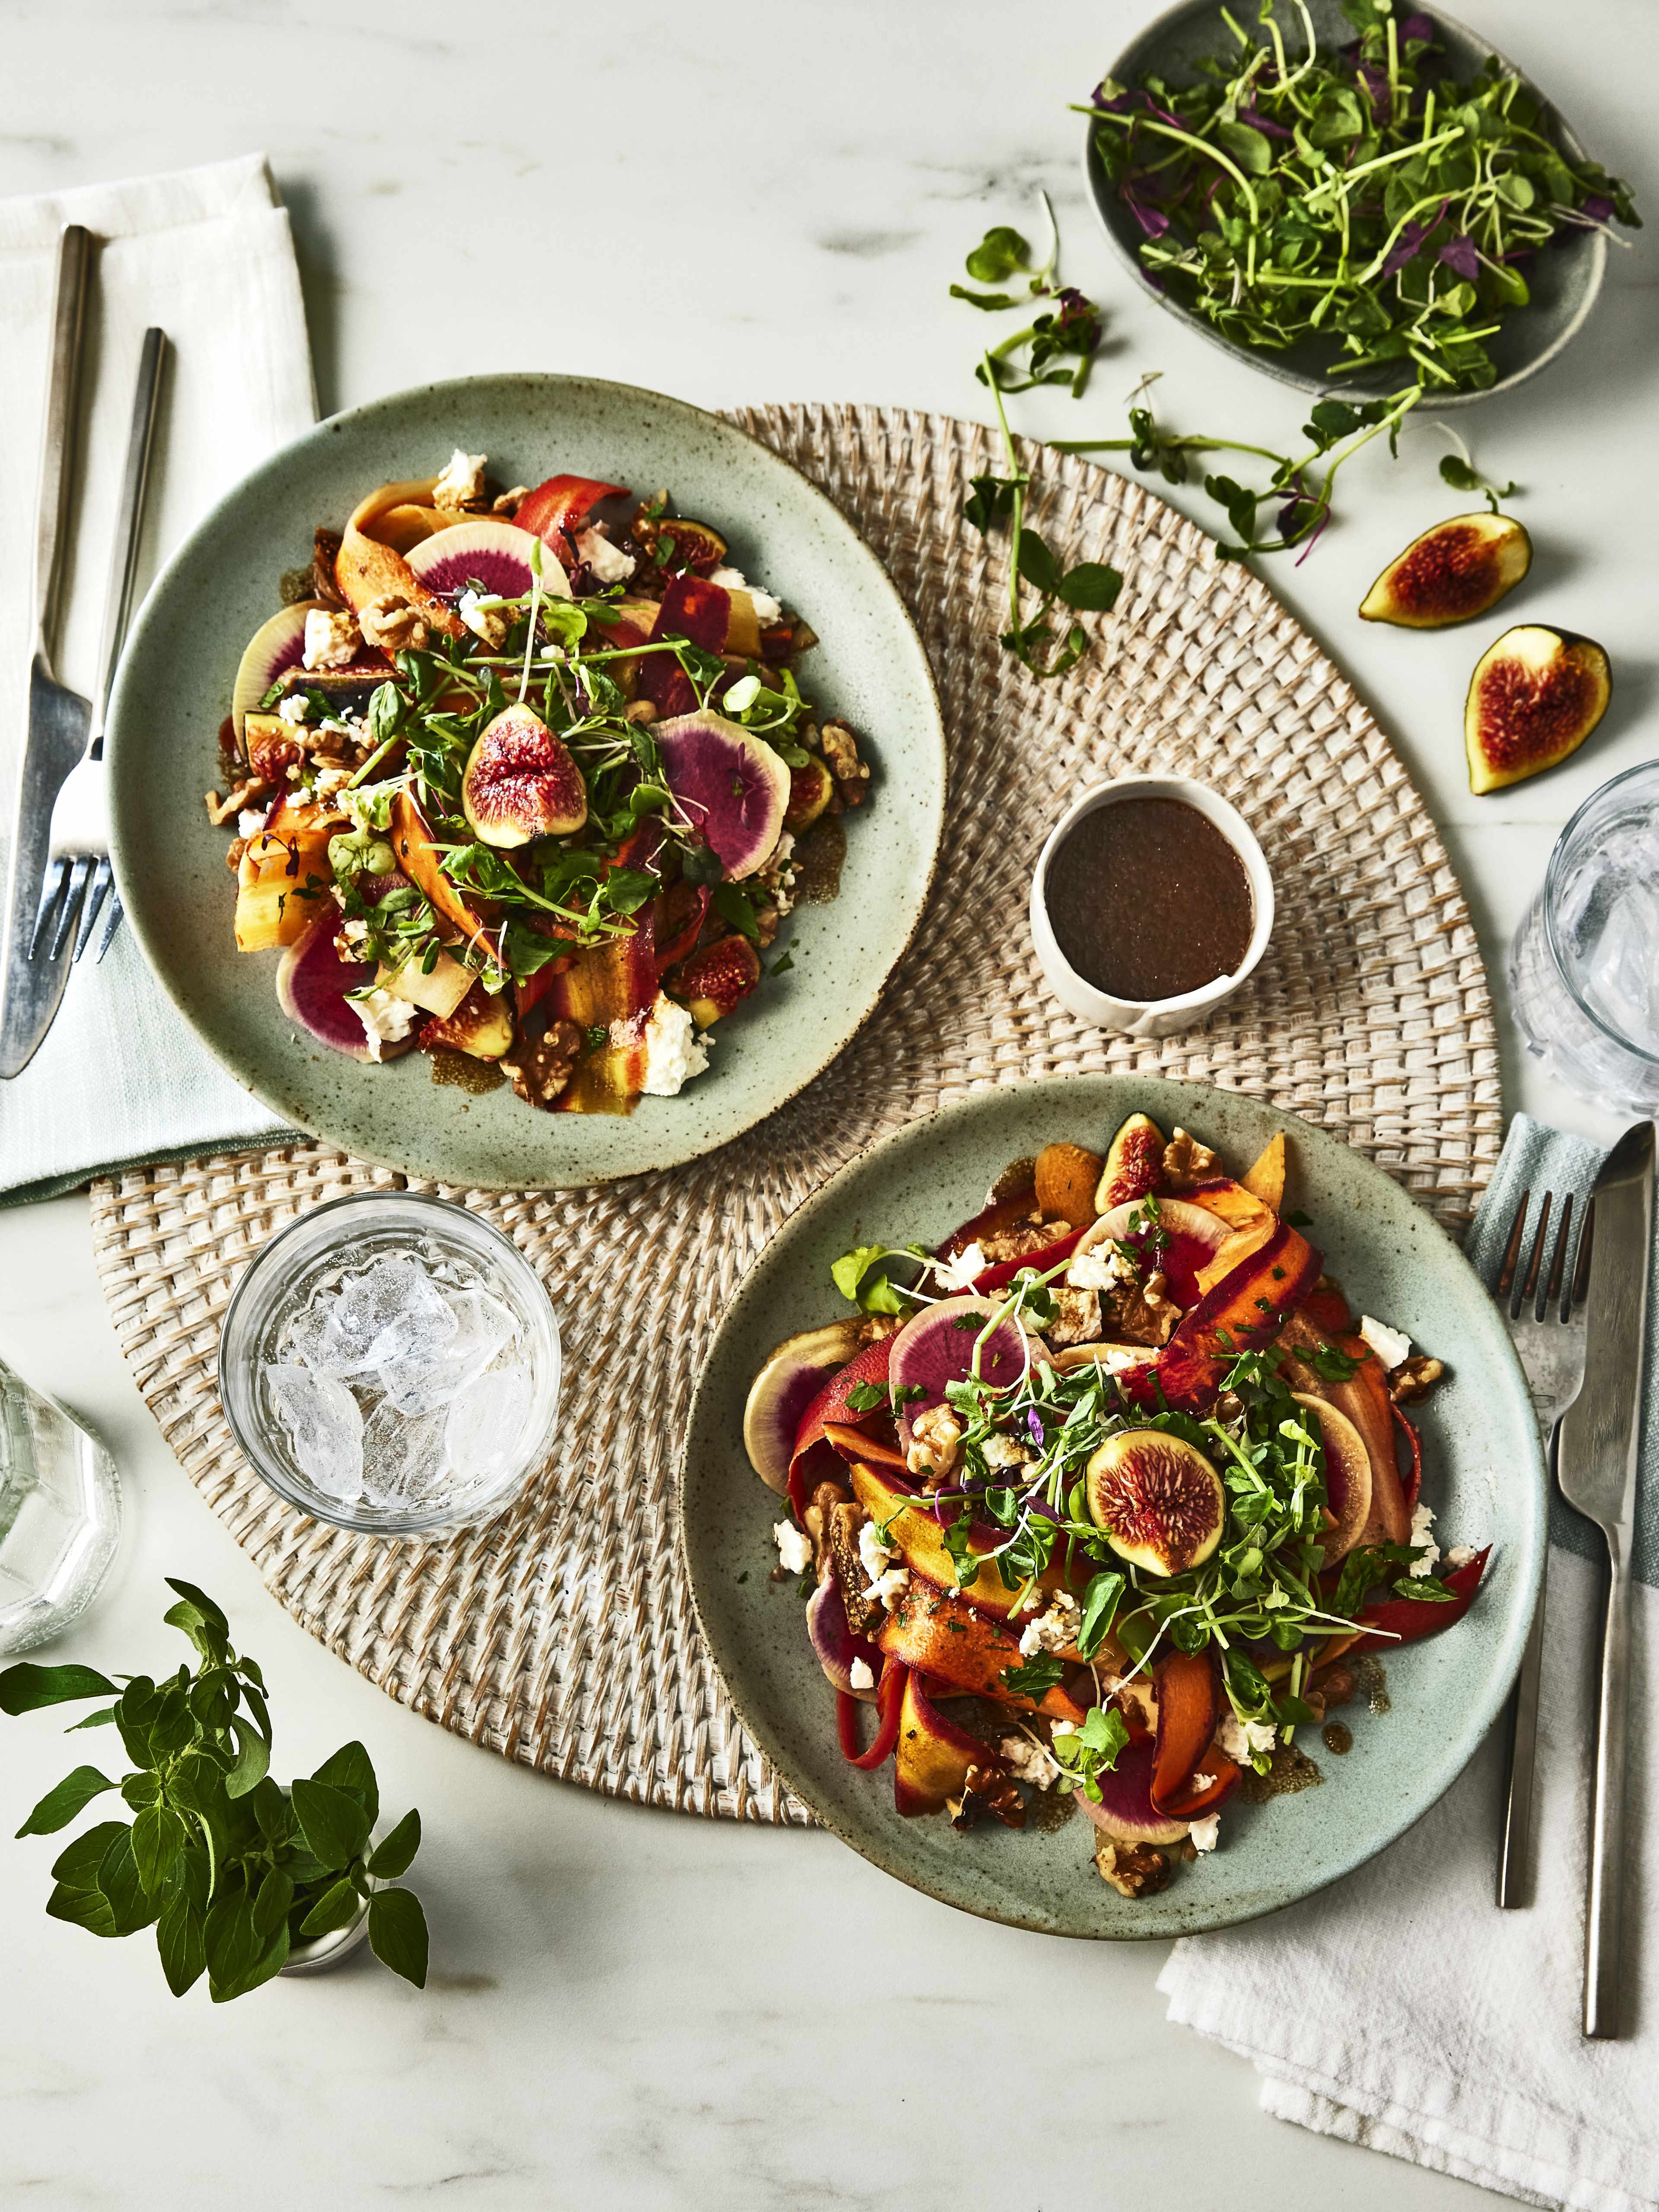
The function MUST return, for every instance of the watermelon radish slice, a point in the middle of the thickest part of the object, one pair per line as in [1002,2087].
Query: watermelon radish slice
[781,1393]
[731,786]
[1126,1811]
[834,1644]
[931,1350]
[486,555]
[312,982]
[275,647]
[1195,1236]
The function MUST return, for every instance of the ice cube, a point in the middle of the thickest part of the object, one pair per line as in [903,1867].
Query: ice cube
[483,1327]
[324,1426]
[389,1312]
[486,1423]
[302,1331]
[403,1457]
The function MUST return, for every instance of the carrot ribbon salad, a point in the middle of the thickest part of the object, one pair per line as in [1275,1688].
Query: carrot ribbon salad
[526,776]
[1108,1495]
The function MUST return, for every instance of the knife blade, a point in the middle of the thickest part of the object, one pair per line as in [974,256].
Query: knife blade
[58,718]
[1598,1467]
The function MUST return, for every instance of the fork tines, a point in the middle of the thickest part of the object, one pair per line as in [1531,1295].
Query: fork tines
[1560,1279]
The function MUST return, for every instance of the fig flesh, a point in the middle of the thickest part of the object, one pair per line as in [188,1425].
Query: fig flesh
[734,787]
[1535,697]
[485,555]
[1347,1476]
[713,980]
[811,789]
[521,783]
[695,546]
[481,1026]
[785,1387]
[1458,569]
[936,1347]
[1158,1499]
[1134,1163]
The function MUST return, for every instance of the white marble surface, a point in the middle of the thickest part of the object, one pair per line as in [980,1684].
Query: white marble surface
[730,202]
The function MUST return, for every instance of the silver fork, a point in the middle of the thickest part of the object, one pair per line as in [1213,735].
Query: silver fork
[78,877]
[1542,1289]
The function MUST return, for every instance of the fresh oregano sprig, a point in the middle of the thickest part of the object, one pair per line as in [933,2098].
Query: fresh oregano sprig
[229,1870]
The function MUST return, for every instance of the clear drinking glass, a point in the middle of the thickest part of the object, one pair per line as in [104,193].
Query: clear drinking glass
[339,1243]
[60,1516]
[1583,967]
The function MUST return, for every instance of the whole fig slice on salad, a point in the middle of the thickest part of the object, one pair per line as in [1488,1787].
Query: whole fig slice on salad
[520,782]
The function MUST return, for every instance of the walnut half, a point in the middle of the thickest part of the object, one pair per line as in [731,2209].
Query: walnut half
[1134,1869]
[541,1065]
[1186,1161]
[1414,1379]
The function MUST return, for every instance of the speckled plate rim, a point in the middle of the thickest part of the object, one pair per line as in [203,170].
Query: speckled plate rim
[1097,187]
[1176,1911]
[926,816]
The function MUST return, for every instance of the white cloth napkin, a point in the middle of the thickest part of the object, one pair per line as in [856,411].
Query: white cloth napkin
[1401,2009]
[206,254]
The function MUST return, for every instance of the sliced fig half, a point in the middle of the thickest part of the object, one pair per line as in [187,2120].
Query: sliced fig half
[713,980]
[936,1347]
[312,983]
[1347,1476]
[733,786]
[275,647]
[482,1026]
[1134,1163]
[1535,697]
[485,555]
[1158,1500]
[690,545]
[811,789]
[521,783]
[785,1387]
[1458,569]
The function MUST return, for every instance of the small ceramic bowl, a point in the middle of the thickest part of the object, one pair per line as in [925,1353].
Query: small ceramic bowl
[1564,279]
[1150,1017]
[343,1237]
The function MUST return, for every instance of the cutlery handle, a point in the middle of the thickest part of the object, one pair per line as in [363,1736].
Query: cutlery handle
[129,527]
[1514,1852]
[58,434]
[1603,1910]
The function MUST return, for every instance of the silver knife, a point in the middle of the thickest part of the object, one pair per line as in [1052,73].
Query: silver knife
[60,720]
[1598,1464]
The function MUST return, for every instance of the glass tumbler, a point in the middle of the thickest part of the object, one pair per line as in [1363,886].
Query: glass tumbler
[1584,968]
[60,1516]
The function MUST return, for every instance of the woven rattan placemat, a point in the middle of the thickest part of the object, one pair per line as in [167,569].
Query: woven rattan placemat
[562,1634]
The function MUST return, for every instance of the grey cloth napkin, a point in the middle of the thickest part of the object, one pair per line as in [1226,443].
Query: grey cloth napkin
[206,254]
[1537,1158]
[1400,2009]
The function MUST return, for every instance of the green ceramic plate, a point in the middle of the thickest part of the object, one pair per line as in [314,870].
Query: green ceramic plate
[1485,1477]
[174,689]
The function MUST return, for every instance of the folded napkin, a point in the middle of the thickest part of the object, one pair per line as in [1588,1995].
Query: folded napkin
[1401,2009]
[206,255]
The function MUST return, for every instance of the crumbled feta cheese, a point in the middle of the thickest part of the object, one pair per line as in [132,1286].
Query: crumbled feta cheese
[1202,1782]
[1243,1740]
[331,639]
[1391,1347]
[609,563]
[674,1052]
[861,1676]
[462,481]
[355,931]
[767,609]
[886,1582]
[1064,1727]
[887,1588]
[1459,1556]
[1030,1761]
[1099,1269]
[249,821]
[1054,1628]
[1004,1451]
[959,1274]
[795,1547]
[1204,1832]
[386,1019]
[293,708]
[1422,1522]
[482,613]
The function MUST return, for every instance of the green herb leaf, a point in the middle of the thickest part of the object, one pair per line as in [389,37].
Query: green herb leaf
[396,1929]
[252,1760]
[1101,1599]
[351,1769]
[334,1825]
[997,255]
[1090,587]
[393,1858]
[336,1908]
[1424,1588]
[24,1687]
[1035,1678]
[179,1940]
[60,1806]
[862,1398]
[159,1837]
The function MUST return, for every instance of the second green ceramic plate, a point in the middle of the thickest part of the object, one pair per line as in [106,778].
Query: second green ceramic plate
[1484,1476]
[174,689]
